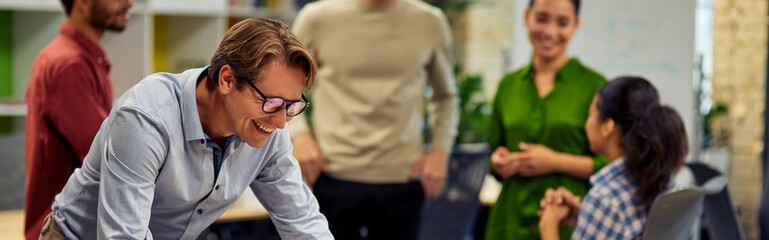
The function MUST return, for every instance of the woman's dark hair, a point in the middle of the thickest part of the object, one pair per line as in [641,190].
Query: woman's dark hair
[67,6]
[653,136]
[575,2]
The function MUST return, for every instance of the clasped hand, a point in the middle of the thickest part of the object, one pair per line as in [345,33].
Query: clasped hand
[532,160]
[561,206]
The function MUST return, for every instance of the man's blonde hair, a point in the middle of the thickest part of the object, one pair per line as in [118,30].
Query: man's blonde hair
[252,43]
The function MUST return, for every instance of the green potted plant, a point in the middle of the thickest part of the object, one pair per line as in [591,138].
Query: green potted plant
[474,111]
[716,132]
[470,155]
[715,139]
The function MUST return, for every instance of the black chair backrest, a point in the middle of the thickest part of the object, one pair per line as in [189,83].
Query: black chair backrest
[720,216]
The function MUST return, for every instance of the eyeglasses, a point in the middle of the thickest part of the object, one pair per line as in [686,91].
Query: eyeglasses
[274,104]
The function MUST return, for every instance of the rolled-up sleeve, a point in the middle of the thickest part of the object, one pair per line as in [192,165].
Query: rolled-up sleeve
[292,207]
[134,153]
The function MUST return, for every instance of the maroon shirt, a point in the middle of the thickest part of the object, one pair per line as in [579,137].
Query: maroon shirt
[68,97]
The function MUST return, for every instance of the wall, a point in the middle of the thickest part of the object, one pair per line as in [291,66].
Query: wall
[739,63]
[651,38]
[488,42]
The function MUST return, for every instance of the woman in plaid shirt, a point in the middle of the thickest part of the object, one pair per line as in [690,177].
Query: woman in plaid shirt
[645,143]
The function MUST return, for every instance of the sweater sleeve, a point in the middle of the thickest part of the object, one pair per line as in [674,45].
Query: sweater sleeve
[301,28]
[443,108]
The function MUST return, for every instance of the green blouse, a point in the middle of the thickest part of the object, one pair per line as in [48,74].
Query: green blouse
[556,121]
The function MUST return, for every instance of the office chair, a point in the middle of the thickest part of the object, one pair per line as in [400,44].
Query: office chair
[453,214]
[674,212]
[720,219]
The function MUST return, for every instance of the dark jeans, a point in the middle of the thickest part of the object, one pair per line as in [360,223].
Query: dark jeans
[387,211]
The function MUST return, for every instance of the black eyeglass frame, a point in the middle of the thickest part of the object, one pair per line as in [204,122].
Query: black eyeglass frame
[285,103]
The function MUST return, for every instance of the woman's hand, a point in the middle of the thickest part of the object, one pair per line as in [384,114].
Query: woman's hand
[561,197]
[555,213]
[535,160]
[532,160]
[502,163]
[550,218]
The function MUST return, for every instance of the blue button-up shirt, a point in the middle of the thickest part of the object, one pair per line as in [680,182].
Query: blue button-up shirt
[608,210]
[149,173]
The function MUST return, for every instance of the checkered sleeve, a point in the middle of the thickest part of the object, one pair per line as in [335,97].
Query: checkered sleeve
[602,216]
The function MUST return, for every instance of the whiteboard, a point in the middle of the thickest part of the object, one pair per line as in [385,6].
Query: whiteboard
[651,38]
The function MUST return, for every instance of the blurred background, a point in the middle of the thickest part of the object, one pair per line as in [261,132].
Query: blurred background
[708,58]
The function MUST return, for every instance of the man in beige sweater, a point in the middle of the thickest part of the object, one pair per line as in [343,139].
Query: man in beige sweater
[364,152]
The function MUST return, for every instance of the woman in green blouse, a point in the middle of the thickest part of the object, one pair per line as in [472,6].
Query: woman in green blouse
[538,124]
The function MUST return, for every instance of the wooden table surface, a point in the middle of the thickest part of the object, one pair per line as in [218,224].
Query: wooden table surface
[245,208]
[12,224]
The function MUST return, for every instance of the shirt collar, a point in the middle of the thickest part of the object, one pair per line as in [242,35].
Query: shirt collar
[571,68]
[609,172]
[193,130]
[92,49]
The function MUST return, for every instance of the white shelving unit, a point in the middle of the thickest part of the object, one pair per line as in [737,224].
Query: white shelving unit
[13,110]
[216,8]
[31,31]
[286,14]
[31,5]
[162,35]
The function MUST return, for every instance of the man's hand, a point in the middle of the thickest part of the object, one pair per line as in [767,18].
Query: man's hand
[310,158]
[433,167]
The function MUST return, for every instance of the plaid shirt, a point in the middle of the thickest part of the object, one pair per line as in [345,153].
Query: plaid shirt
[608,211]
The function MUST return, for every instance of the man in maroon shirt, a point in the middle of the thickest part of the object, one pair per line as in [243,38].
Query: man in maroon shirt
[68,97]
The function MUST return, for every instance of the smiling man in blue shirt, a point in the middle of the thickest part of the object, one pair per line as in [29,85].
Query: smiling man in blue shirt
[178,149]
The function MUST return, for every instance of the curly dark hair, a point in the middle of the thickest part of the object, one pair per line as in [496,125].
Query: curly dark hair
[653,135]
